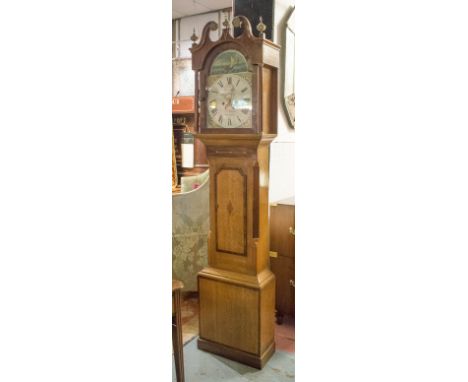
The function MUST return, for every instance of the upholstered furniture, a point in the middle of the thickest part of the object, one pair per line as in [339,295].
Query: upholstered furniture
[177,330]
[190,226]
[190,183]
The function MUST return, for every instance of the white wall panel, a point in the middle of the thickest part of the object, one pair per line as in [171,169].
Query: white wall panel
[281,170]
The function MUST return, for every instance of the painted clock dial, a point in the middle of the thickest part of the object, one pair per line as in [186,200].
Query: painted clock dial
[229,88]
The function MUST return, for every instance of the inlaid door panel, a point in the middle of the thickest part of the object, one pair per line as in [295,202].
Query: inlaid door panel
[231,211]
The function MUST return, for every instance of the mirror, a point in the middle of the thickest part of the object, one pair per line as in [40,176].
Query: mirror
[289,93]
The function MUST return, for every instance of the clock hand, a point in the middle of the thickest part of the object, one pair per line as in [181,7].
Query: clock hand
[229,104]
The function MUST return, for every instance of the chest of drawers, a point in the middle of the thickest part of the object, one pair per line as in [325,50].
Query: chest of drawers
[282,255]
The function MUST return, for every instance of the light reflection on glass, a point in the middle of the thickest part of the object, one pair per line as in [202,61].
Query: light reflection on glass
[241,104]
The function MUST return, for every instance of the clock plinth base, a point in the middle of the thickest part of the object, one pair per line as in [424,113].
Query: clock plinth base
[237,355]
[237,315]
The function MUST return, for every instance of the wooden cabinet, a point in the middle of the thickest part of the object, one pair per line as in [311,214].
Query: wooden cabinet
[282,254]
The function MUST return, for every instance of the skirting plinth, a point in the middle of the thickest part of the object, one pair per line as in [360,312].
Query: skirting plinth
[237,315]
[238,355]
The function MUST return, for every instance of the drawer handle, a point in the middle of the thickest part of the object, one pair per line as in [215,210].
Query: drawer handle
[273,254]
[292,231]
[292,283]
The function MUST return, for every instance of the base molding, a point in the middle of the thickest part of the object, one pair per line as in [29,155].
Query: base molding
[237,355]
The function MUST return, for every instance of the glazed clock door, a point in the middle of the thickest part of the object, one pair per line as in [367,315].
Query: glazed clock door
[229,89]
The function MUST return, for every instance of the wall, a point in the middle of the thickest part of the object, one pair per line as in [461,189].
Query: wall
[182,30]
[283,147]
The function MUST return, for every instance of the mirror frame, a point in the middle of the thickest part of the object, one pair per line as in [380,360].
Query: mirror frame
[289,93]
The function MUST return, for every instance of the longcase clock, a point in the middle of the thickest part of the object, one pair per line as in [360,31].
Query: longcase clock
[236,117]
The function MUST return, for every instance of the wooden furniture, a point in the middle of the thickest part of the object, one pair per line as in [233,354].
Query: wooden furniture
[177,343]
[183,120]
[282,255]
[236,93]
[175,181]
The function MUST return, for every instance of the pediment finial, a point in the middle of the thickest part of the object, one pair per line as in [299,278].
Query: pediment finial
[261,27]
[236,22]
[194,37]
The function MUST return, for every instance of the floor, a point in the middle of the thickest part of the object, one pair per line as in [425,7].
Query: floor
[204,366]
[201,366]
[189,317]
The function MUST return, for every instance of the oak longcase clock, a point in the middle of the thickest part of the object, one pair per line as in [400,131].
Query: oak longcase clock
[236,117]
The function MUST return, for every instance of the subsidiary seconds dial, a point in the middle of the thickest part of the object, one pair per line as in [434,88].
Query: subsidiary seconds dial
[230,101]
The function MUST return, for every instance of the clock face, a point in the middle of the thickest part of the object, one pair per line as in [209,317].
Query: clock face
[230,100]
[229,90]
